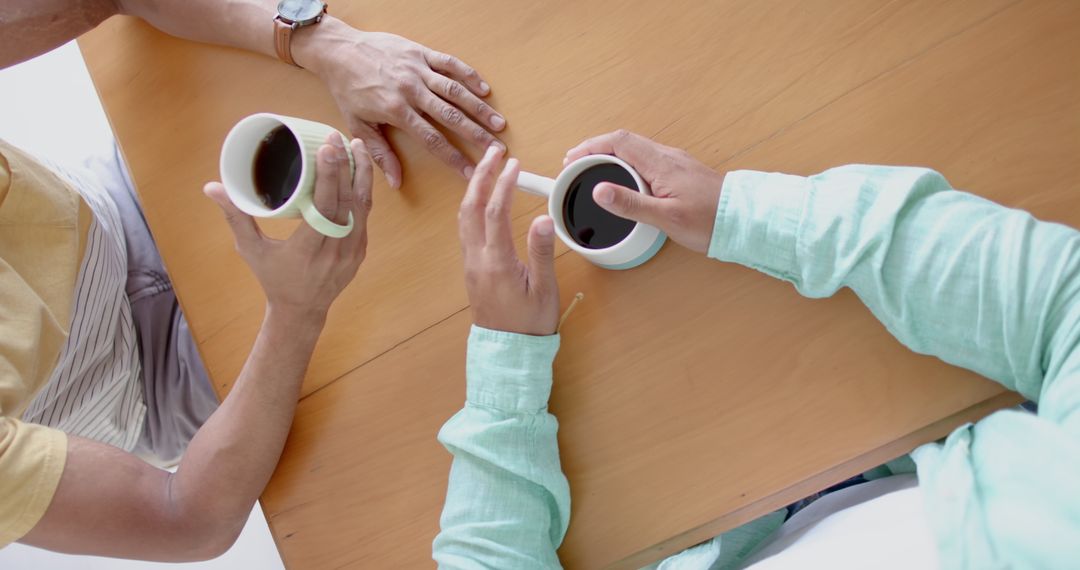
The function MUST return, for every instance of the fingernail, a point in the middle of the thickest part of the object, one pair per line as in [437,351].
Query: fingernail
[498,122]
[546,228]
[491,150]
[604,195]
[484,87]
[337,142]
[468,172]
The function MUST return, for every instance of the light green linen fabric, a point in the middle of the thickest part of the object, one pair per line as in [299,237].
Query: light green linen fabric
[950,274]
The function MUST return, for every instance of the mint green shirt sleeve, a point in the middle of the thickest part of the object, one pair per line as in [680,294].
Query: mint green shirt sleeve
[508,502]
[980,286]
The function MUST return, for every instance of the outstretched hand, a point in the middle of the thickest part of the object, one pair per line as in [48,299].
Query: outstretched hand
[506,293]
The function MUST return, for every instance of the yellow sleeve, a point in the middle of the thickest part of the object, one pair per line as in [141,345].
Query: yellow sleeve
[32,459]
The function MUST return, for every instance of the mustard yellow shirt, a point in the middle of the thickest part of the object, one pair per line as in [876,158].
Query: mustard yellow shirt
[43,229]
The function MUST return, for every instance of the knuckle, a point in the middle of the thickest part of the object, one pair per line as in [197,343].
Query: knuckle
[447,60]
[482,109]
[457,159]
[406,84]
[483,137]
[542,248]
[451,114]
[454,90]
[621,134]
[364,202]
[398,106]
[494,211]
[470,207]
[433,139]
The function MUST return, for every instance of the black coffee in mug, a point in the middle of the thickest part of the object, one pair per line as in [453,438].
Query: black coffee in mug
[588,224]
[277,165]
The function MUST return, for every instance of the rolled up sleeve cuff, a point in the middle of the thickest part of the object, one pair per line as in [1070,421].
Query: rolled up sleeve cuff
[32,459]
[757,221]
[509,372]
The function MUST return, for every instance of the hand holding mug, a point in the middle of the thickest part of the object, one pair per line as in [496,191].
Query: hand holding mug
[505,293]
[685,192]
[307,271]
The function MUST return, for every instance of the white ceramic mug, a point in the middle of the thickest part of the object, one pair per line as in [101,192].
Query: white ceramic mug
[636,248]
[237,170]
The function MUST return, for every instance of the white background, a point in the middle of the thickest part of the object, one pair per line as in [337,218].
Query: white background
[49,108]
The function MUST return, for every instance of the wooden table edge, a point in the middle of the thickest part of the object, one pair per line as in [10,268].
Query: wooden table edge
[822,480]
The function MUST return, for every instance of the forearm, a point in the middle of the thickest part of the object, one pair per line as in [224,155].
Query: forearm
[506,485]
[230,460]
[244,24]
[950,274]
[29,28]
[33,27]
[109,503]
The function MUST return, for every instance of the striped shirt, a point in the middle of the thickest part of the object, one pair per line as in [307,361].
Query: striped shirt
[95,390]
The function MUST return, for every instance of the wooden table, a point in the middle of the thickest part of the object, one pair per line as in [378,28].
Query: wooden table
[693,395]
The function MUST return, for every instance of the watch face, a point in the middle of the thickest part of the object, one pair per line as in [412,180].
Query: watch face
[300,11]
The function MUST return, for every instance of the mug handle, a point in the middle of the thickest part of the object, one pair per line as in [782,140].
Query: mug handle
[316,220]
[536,185]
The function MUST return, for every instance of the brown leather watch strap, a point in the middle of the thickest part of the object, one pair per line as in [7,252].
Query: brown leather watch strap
[283,41]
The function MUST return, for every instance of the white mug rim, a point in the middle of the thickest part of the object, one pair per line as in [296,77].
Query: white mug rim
[558,195]
[251,203]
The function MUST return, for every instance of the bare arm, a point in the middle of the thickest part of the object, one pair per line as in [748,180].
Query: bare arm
[32,27]
[376,78]
[29,28]
[110,503]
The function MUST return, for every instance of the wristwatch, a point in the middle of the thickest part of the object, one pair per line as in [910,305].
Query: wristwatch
[291,15]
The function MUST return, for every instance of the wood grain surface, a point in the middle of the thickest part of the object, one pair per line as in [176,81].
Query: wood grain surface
[693,396]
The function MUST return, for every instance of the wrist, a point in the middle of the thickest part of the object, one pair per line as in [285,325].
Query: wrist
[313,46]
[305,321]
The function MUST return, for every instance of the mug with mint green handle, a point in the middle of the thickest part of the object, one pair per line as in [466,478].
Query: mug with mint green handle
[640,245]
[238,173]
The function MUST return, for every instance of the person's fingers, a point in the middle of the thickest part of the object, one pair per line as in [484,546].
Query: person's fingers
[331,160]
[242,225]
[471,216]
[630,204]
[345,195]
[635,149]
[327,180]
[437,144]
[452,118]
[381,152]
[497,214]
[362,194]
[455,93]
[542,254]
[454,68]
